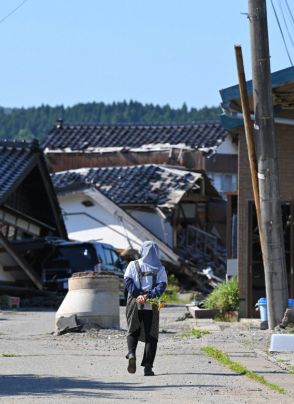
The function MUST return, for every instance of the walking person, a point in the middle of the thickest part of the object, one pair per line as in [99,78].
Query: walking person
[144,279]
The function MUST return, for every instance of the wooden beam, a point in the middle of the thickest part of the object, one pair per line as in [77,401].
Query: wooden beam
[11,268]
[21,262]
[249,132]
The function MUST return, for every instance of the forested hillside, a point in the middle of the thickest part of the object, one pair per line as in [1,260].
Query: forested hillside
[26,123]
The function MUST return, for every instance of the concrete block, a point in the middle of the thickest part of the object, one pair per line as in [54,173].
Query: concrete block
[282,343]
[197,312]
[67,324]
[94,299]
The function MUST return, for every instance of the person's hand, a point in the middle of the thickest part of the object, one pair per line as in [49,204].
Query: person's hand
[141,299]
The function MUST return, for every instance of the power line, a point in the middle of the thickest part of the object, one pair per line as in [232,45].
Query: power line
[285,22]
[289,11]
[281,31]
[13,11]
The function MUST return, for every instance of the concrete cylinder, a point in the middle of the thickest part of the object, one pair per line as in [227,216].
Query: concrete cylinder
[93,298]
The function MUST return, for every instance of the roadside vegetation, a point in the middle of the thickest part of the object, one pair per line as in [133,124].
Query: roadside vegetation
[223,358]
[171,293]
[224,298]
[195,333]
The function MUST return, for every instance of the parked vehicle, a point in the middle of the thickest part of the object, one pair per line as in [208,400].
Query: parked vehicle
[55,260]
[69,257]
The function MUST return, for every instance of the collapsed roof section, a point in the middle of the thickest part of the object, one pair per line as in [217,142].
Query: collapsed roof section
[205,137]
[150,184]
[26,187]
[28,206]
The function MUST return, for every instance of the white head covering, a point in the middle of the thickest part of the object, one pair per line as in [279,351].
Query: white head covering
[150,255]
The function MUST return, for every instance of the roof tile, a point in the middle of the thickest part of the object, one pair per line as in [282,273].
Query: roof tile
[83,137]
[15,158]
[145,184]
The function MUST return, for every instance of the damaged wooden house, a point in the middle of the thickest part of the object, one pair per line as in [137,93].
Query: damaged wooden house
[244,248]
[200,146]
[29,210]
[126,205]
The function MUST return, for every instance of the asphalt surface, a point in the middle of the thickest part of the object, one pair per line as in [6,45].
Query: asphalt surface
[37,366]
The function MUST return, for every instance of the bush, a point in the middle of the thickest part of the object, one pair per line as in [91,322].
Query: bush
[171,293]
[224,297]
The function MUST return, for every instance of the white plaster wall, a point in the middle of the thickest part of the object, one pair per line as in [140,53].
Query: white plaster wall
[227,147]
[84,228]
[5,276]
[153,222]
[5,260]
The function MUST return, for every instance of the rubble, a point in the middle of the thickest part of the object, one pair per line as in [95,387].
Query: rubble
[9,302]
[288,319]
[67,324]
[198,271]
[190,277]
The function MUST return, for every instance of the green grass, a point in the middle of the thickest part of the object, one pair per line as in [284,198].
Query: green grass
[7,355]
[223,357]
[195,333]
[279,360]
[291,370]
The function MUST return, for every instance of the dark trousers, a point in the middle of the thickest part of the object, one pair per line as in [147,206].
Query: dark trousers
[145,317]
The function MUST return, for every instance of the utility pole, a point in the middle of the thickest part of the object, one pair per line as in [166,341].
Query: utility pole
[270,204]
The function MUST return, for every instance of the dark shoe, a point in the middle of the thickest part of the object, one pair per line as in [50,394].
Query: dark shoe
[148,371]
[132,363]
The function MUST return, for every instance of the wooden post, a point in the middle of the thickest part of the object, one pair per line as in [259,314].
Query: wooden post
[270,203]
[21,262]
[249,132]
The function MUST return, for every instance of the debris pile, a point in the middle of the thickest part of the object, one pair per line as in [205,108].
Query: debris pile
[199,270]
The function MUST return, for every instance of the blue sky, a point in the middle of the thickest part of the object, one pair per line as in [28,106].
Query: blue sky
[153,51]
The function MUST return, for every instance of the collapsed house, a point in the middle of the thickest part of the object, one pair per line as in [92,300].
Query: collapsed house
[244,250]
[199,146]
[179,209]
[28,210]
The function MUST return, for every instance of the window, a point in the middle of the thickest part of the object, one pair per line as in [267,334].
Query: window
[112,258]
[78,258]
[224,182]
[108,256]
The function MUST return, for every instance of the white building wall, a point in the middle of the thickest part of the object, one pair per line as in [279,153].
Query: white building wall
[157,225]
[95,223]
[227,146]
[6,260]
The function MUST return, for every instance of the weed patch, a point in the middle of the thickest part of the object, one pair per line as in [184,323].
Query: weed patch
[222,357]
[195,333]
[291,370]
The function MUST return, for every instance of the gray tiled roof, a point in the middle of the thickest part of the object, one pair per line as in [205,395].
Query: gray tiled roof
[15,160]
[145,184]
[86,137]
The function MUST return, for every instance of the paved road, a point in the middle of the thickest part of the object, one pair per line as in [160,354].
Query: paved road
[91,367]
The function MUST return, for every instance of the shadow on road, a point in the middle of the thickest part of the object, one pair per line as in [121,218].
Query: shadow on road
[33,385]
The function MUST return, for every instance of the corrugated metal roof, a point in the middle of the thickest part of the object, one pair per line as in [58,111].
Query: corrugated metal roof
[91,138]
[146,184]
